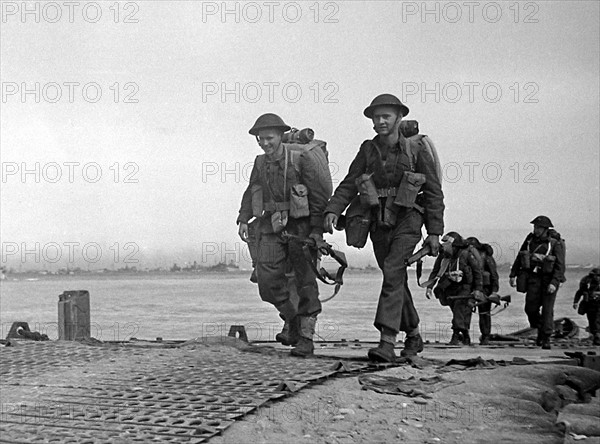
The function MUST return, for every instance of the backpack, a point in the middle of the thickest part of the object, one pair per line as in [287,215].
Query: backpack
[312,150]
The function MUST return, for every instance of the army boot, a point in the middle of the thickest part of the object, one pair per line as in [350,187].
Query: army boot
[289,335]
[484,340]
[466,339]
[456,338]
[546,342]
[540,338]
[413,344]
[384,352]
[305,346]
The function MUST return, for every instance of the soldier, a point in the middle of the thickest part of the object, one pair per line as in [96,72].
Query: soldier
[400,193]
[490,285]
[540,268]
[276,175]
[460,279]
[589,291]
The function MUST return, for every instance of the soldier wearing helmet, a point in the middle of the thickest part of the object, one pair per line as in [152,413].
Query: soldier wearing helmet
[407,195]
[490,285]
[460,281]
[540,268]
[589,294]
[267,199]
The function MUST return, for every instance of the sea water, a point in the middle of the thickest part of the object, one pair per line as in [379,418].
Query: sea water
[184,306]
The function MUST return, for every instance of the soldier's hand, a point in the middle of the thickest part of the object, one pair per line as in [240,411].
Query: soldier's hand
[243,232]
[329,222]
[428,293]
[513,282]
[575,306]
[433,240]
[552,288]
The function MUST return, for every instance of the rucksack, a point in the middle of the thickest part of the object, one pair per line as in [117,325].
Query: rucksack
[313,150]
[418,142]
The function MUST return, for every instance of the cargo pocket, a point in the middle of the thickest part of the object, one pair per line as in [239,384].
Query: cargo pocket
[358,223]
[410,185]
[299,202]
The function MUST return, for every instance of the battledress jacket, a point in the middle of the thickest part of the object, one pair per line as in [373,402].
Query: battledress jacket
[389,174]
[270,177]
[469,262]
[540,245]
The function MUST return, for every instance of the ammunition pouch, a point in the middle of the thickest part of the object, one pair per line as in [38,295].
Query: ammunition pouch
[358,223]
[486,277]
[525,259]
[522,282]
[409,188]
[367,190]
[279,220]
[299,201]
[548,264]
[257,200]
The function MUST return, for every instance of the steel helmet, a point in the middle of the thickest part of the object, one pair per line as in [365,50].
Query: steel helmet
[542,221]
[385,100]
[473,241]
[595,272]
[266,121]
[457,239]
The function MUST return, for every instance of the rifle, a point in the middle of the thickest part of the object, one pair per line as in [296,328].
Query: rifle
[417,256]
[327,250]
[474,302]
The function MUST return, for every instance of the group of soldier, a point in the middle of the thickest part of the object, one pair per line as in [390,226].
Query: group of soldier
[392,188]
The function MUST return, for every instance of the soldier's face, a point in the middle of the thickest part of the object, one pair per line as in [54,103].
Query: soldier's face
[270,141]
[539,231]
[385,120]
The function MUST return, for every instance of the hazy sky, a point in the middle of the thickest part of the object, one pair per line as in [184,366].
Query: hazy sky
[133,119]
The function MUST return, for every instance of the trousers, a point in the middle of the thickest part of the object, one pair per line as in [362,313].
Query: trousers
[392,246]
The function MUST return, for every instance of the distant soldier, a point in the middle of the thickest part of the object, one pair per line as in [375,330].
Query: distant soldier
[589,293]
[460,279]
[490,285]
[397,182]
[284,193]
[538,271]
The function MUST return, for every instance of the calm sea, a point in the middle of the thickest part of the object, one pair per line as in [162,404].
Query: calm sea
[183,306]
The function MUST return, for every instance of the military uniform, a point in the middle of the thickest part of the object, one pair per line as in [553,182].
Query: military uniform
[540,264]
[274,255]
[462,277]
[395,230]
[491,285]
[589,294]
